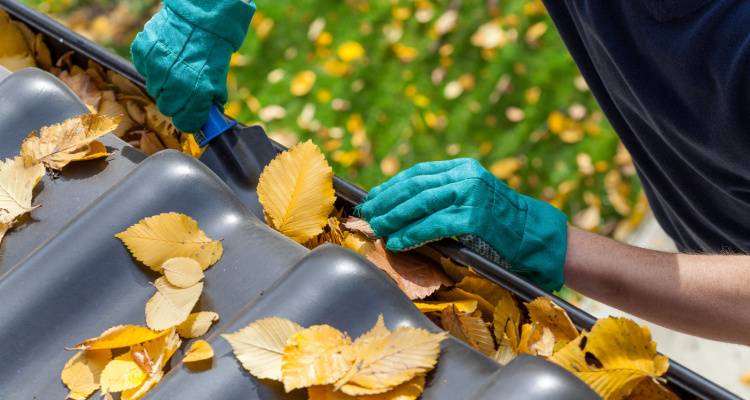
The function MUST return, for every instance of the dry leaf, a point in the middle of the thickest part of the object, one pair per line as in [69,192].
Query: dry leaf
[122,373]
[457,294]
[390,360]
[81,373]
[650,389]
[156,239]
[190,146]
[197,324]
[119,336]
[97,149]
[463,306]
[59,144]
[415,275]
[158,352]
[17,182]
[469,328]
[318,355]
[182,272]
[455,271]
[484,288]
[613,358]
[548,314]
[506,320]
[162,125]
[504,354]
[410,390]
[200,350]
[171,305]
[260,346]
[296,191]
[359,225]
[150,144]
[14,50]
[83,86]
[110,107]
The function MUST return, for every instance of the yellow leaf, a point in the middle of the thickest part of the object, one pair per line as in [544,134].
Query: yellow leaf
[190,146]
[504,354]
[318,355]
[651,389]
[59,144]
[536,340]
[614,357]
[390,360]
[457,294]
[81,373]
[548,314]
[120,336]
[296,191]
[410,390]
[260,346]
[155,355]
[182,272]
[506,319]
[200,350]
[96,150]
[149,143]
[83,86]
[162,125]
[471,329]
[355,242]
[302,83]
[350,51]
[156,239]
[415,275]
[171,305]
[17,182]
[14,50]
[484,288]
[464,306]
[455,271]
[197,324]
[122,373]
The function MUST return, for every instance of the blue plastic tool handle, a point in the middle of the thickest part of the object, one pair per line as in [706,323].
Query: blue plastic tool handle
[217,124]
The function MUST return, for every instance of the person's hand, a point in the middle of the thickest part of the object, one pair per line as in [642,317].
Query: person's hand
[459,198]
[184,52]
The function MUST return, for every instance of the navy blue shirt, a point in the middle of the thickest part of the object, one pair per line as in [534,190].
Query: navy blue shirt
[673,78]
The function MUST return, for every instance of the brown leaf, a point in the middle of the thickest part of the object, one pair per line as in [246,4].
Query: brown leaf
[359,225]
[416,276]
[84,88]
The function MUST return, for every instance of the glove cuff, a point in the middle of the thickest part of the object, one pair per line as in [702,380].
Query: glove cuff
[227,19]
[544,244]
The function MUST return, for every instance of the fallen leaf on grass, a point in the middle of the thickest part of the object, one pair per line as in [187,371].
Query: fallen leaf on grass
[200,350]
[260,345]
[415,275]
[81,373]
[156,239]
[197,324]
[296,191]
[59,144]
[182,272]
[171,305]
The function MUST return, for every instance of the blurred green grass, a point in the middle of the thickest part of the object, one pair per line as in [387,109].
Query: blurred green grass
[381,85]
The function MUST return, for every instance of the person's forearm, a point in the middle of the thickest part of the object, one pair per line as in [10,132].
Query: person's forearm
[705,295]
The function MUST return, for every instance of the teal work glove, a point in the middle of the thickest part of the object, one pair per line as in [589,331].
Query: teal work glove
[459,198]
[184,53]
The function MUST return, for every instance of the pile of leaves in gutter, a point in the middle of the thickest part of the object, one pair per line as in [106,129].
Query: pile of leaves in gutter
[617,358]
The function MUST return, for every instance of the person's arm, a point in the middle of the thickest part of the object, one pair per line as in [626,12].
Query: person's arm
[704,295]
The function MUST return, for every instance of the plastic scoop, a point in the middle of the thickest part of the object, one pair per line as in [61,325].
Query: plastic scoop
[217,124]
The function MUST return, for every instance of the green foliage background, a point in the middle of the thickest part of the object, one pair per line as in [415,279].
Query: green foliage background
[523,110]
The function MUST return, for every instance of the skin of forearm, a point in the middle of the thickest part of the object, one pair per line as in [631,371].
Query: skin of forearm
[703,295]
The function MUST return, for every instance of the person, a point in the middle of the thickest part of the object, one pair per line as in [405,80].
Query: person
[673,79]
